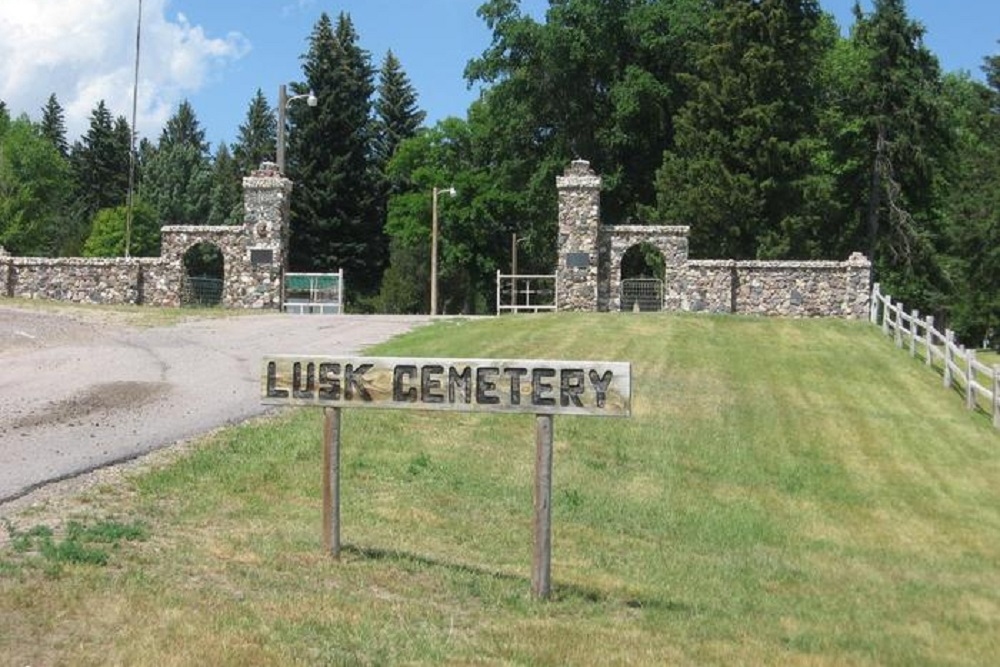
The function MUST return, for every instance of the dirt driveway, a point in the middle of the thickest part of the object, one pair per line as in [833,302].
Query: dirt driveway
[79,391]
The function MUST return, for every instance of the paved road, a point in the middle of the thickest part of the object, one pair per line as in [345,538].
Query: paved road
[78,392]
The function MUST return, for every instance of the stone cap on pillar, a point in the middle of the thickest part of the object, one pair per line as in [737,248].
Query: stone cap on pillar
[267,177]
[578,175]
[858,259]
[266,169]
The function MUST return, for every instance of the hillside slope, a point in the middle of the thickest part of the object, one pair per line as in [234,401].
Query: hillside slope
[786,492]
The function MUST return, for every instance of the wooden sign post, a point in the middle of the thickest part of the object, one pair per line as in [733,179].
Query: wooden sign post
[544,388]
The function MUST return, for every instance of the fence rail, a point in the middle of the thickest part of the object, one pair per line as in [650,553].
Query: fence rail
[959,367]
[526,293]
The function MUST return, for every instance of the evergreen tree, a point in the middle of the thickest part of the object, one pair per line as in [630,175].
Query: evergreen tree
[738,171]
[100,162]
[257,136]
[398,117]
[177,180]
[53,125]
[334,218]
[902,144]
[183,128]
[226,201]
[972,207]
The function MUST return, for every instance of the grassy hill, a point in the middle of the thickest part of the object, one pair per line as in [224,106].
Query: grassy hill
[786,492]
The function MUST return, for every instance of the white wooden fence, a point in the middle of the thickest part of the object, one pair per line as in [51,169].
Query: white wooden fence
[526,293]
[959,367]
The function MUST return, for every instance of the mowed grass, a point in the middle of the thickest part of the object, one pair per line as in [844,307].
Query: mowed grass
[786,492]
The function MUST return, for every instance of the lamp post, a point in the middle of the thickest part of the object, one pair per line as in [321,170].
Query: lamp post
[283,101]
[513,251]
[434,245]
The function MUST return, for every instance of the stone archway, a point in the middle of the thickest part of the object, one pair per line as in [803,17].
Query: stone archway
[641,278]
[669,244]
[203,276]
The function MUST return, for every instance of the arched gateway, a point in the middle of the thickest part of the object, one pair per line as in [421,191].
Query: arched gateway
[588,277]
[253,260]
[254,254]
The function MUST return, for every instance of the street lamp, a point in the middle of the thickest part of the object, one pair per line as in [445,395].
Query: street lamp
[434,245]
[283,102]
[513,251]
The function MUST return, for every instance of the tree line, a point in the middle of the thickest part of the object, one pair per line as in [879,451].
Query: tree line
[759,123]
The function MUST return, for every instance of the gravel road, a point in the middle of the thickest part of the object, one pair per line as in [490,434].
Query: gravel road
[81,391]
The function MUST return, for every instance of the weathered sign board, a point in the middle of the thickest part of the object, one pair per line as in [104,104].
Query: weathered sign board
[541,387]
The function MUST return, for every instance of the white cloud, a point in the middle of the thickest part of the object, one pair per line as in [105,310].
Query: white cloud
[85,52]
[296,7]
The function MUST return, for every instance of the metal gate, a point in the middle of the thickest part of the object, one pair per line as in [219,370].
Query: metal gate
[201,291]
[319,293]
[642,294]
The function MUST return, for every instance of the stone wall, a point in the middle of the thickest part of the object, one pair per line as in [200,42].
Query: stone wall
[793,289]
[588,276]
[254,260]
[86,280]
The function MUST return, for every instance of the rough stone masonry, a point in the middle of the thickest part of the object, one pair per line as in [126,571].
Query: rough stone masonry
[589,274]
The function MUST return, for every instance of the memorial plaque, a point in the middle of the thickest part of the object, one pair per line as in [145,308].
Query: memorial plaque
[261,256]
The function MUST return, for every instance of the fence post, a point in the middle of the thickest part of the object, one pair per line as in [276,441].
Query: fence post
[996,396]
[873,306]
[948,338]
[970,378]
[914,320]
[900,313]
[498,291]
[886,311]
[929,339]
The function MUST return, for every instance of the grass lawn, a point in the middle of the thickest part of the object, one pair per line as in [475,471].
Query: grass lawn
[789,492]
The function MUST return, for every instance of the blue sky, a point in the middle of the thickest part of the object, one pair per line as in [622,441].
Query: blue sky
[217,53]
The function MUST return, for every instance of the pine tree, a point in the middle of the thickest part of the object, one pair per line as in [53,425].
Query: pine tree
[183,128]
[971,207]
[257,135]
[53,125]
[901,147]
[100,162]
[177,180]
[736,174]
[334,218]
[226,200]
[398,117]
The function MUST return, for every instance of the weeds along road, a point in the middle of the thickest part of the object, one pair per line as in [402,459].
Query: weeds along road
[80,389]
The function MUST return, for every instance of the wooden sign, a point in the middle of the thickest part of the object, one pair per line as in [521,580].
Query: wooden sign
[595,388]
[544,388]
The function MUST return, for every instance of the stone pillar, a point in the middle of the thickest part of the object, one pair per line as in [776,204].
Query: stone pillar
[6,269]
[579,228]
[266,202]
[858,288]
